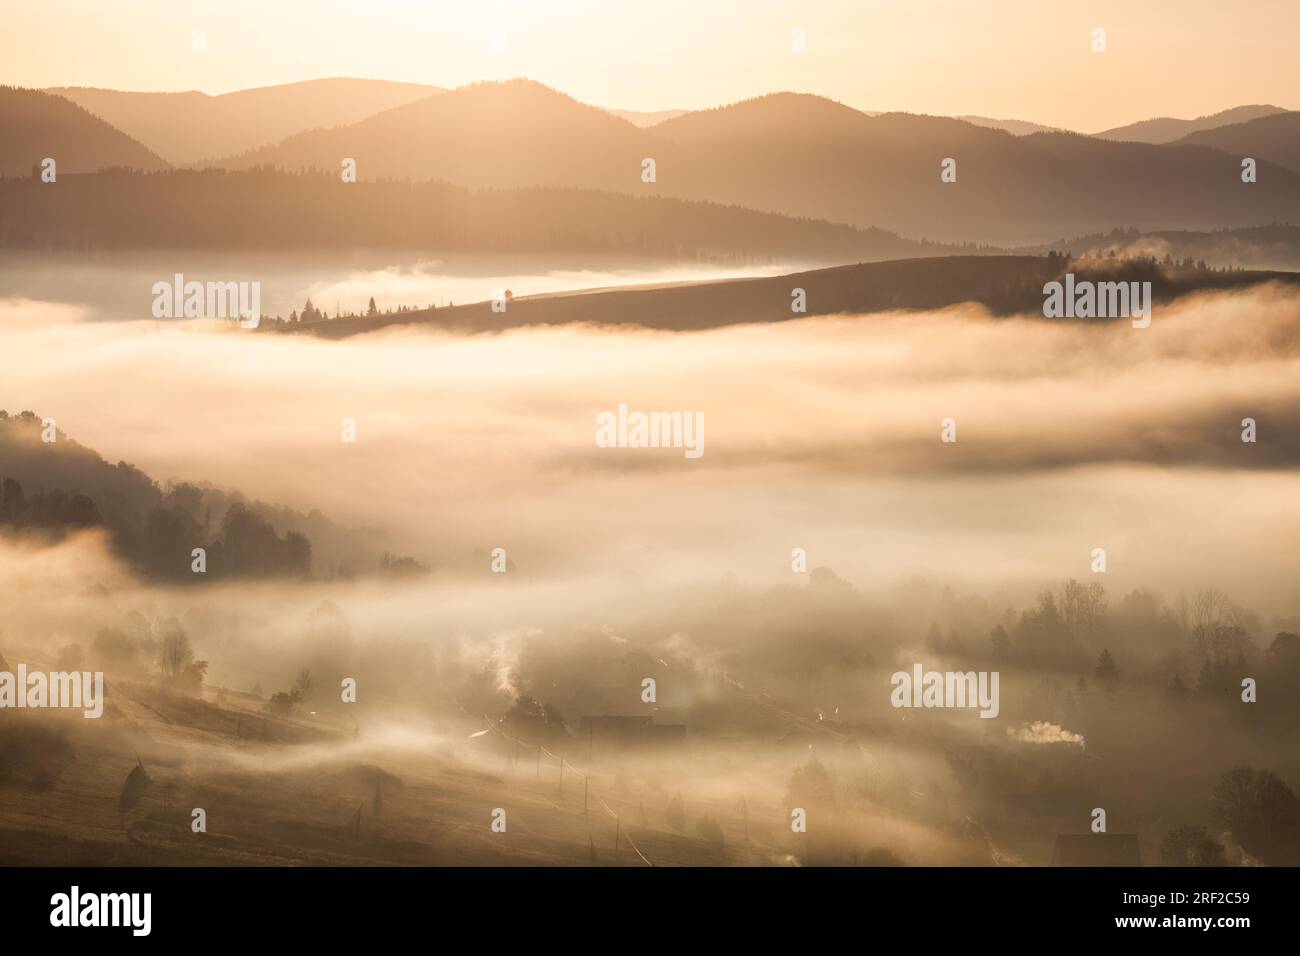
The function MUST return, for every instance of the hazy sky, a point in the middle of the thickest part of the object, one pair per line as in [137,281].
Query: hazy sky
[1025,59]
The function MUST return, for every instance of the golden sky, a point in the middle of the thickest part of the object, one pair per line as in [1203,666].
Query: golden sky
[1023,59]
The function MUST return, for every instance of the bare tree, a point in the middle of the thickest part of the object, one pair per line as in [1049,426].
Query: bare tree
[174,654]
[304,684]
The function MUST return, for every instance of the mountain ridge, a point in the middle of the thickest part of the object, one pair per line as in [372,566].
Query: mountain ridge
[191,126]
[1275,138]
[38,125]
[802,155]
[1166,129]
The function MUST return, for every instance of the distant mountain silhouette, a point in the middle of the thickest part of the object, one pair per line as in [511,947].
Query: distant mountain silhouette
[37,125]
[802,155]
[1013,126]
[188,127]
[1273,138]
[645,120]
[1165,129]
[500,135]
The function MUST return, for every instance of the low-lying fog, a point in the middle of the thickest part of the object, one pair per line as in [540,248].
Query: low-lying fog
[116,286]
[821,434]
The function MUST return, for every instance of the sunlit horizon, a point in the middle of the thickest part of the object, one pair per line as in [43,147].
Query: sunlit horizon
[940,57]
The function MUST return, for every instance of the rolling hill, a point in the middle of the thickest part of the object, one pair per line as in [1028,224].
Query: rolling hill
[1002,284]
[1013,126]
[62,487]
[497,135]
[188,127]
[1270,248]
[267,209]
[1166,129]
[645,120]
[1274,138]
[37,125]
[804,156]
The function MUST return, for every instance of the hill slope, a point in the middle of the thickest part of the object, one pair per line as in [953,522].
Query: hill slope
[1002,284]
[1013,126]
[499,135]
[1166,129]
[188,127]
[644,120]
[37,125]
[53,489]
[1273,138]
[807,156]
[262,209]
